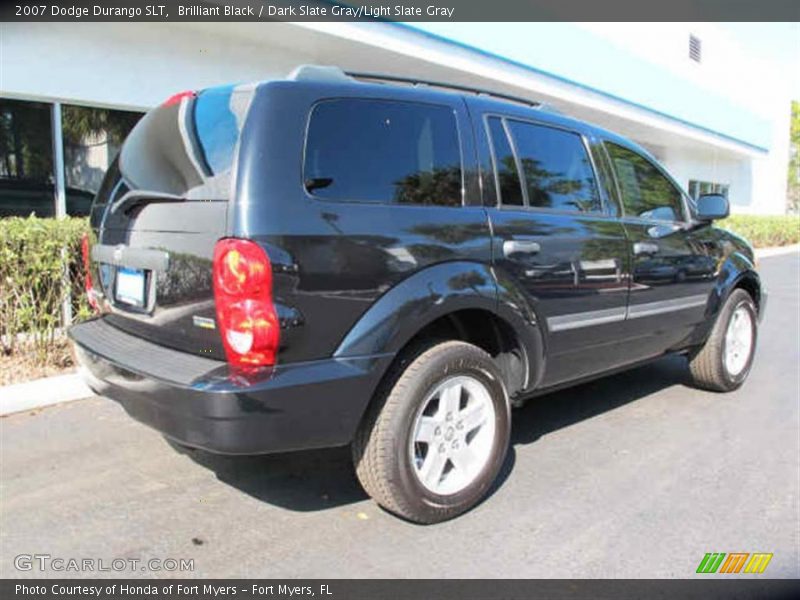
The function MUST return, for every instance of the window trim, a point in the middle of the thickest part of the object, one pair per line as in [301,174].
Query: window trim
[603,211]
[498,203]
[686,216]
[602,164]
[307,128]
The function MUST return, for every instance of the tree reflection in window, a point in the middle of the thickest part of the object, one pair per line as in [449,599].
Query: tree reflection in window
[383,151]
[556,168]
[441,186]
[507,175]
[645,191]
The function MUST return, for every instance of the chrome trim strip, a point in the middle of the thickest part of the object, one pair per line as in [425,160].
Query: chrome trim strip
[656,308]
[586,319]
[612,315]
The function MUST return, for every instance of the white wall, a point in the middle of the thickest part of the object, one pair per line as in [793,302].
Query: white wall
[124,65]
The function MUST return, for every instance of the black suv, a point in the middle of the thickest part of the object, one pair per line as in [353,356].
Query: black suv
[338,259]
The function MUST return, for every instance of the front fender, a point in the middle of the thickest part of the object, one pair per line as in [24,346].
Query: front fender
[736,271]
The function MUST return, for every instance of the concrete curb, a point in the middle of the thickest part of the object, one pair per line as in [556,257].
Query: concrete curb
[777,251]
[42,392]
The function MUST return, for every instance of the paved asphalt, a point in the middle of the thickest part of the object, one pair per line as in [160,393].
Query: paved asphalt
[635,475]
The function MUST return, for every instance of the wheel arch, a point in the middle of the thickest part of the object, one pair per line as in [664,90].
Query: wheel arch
[455,300]
[736,272]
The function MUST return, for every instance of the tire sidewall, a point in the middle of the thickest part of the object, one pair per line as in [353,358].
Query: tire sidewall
[474,363]
[736,301]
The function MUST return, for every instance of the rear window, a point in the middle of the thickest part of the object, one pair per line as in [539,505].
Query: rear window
[187,148]
[365,150]
[216,126]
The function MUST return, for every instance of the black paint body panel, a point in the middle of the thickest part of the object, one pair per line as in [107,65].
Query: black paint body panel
[353,282]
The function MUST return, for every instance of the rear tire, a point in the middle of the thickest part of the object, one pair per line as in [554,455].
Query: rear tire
[436,437]
[724,361]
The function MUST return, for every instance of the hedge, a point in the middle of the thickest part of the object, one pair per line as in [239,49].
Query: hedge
[33,283]
[763,231]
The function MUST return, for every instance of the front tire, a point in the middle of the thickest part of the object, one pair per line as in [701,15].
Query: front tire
[724,361]
[436,437]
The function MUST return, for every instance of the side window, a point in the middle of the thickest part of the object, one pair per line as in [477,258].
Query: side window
[383,151]
[510,188]
[556,168]
[645,191]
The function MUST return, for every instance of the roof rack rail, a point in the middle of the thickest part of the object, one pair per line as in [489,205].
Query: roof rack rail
[376,77]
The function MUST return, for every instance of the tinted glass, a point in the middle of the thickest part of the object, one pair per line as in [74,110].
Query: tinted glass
[186,147]
[26,159]
[219,114]
[646,192]
[383,151]
[510,188]
[556,168]
[92,138]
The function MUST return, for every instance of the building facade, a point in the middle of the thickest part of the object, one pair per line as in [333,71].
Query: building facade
[716,116]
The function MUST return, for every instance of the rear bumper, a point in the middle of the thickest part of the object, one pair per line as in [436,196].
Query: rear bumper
[194,400]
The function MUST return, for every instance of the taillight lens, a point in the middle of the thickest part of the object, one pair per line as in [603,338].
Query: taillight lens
[87,273]
[246,313]
[176,98]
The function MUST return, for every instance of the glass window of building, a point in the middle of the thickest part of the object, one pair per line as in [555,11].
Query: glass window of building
[92,138]
[26,159]
[698,188]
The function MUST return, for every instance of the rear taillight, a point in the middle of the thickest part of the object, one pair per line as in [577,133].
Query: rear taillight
[91,296]
[176,98]
[246,313]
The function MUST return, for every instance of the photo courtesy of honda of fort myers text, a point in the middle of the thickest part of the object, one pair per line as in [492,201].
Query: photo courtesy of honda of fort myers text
[344,302]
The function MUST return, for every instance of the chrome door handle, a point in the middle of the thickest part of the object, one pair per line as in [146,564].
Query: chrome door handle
[646,248]
[511,247]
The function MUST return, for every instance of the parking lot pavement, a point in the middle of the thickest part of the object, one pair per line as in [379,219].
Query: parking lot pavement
[635,475]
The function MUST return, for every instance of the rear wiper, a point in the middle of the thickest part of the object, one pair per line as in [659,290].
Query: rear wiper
[318,183]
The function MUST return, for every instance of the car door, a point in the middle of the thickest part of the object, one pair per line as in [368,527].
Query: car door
[674,267]
[558,241]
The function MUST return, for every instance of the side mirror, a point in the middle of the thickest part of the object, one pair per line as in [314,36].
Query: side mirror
[711,207]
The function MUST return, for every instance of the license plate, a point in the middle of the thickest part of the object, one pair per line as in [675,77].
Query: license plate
[130,286]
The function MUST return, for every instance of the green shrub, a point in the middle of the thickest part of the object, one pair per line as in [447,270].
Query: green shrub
[33,281]
[763,231]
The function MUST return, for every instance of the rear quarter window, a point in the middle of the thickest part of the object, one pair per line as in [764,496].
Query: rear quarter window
[363,150]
